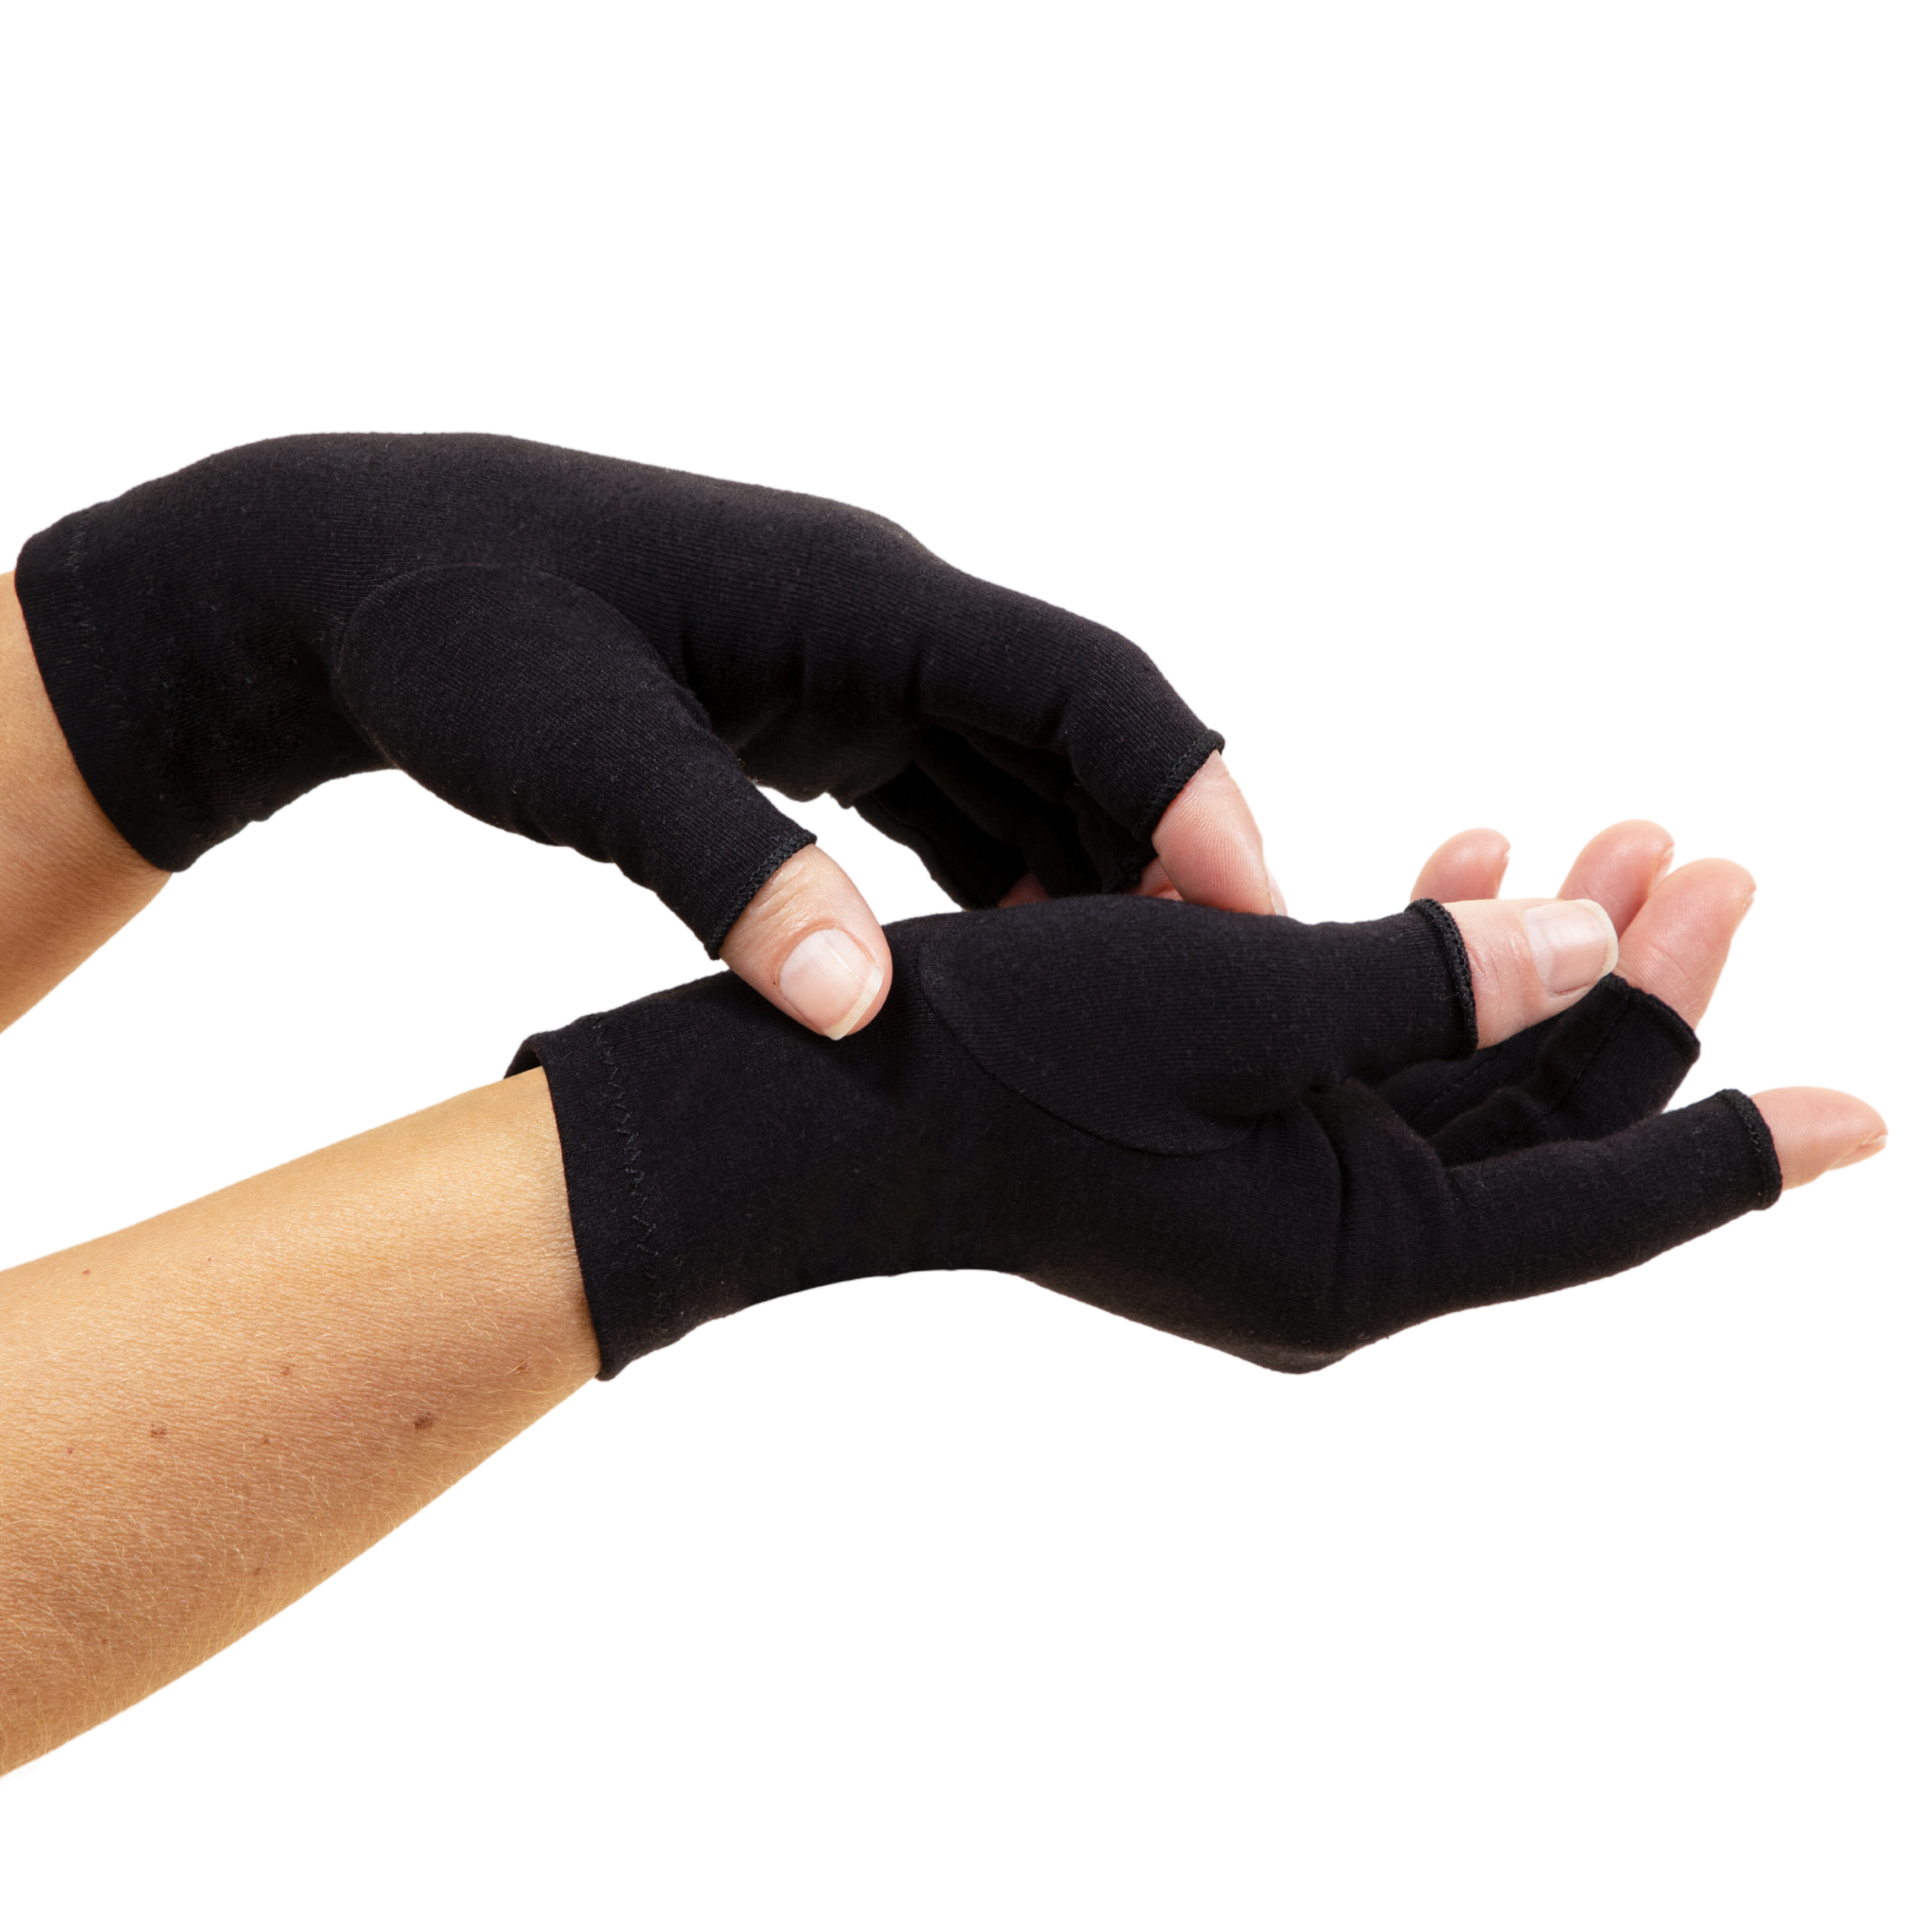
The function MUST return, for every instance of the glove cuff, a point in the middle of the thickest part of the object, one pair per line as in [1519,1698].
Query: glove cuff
[183,735]
[716,1154]
[97,717]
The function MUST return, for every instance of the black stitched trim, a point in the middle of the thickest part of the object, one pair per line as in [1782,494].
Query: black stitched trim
[1762,1144]
[1179,773]
[795,839]
[1682,1034]
[1562,1098]
[1129,872]
[624,1124]
[1455,956]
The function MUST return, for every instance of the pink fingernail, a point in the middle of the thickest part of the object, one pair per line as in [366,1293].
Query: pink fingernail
[1274,897]
[830,979]
[1573,943]
[1875,1145]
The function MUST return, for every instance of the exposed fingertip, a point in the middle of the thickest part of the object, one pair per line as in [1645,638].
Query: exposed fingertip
[1621,867]
[1816,1130]
[1469,866]
[1529,959]
[1211,845]
[1572,943]
[1864,1151]
[1676,946]
[829,980]
[809,944]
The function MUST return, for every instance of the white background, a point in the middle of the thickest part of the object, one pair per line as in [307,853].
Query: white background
[1486,415]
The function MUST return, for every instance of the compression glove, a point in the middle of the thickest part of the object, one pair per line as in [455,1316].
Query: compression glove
[1272,1137]
[592,653]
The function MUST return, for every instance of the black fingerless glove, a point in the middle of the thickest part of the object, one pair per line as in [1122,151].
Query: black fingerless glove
[1268,1137]
[594,653]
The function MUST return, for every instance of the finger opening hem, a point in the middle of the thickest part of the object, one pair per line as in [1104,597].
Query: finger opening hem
[1456,958]
[796,839]
[1762,1145]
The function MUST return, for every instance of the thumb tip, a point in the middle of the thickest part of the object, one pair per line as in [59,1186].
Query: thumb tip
[1211,845]
[812,946]
[831,982]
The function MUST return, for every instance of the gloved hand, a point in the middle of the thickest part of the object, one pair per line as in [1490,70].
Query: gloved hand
[1279,1139]
[606,656]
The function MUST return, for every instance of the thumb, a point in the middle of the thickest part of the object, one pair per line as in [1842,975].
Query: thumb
[808,942]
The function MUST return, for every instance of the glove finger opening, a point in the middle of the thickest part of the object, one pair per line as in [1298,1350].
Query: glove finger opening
[1042,828]
[969,864]
[1613,1060]
[1116,857]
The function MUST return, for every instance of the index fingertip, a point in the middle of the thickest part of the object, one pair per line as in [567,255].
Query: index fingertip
[1210,846]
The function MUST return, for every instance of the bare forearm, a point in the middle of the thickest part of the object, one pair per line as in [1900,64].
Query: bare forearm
[208,1414]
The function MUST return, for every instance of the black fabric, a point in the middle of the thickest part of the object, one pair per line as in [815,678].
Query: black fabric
[1266,1136]
[592,653]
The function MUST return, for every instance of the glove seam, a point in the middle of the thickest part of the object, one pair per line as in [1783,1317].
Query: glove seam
[1683,1034]
[1771,1171]
[1624,1011]
[1446,1108]
[1448,937]
[1542,1114]
[795,839]
[632,1138]
[1443,1103]
[1242,1132]
[1179,773]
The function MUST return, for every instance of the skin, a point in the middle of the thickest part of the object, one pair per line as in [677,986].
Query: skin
[210,1412]
[1209,851]
[1675,931]
[74,881]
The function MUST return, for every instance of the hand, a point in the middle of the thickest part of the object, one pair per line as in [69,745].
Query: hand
[1284,1140]
[1209,853]
[600,655]
[1675,932]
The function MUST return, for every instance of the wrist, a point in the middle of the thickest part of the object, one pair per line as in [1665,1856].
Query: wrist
[68,879]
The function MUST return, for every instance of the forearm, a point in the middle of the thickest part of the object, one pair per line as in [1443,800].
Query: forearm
[210,1412]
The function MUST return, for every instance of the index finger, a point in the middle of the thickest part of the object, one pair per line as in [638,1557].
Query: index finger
[1209,845]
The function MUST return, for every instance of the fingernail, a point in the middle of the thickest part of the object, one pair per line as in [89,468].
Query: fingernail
[1875,1145]
[1274,897]
[828,978]
[1572,943]
[1664,864]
